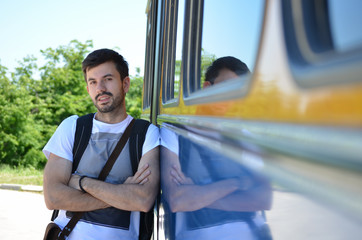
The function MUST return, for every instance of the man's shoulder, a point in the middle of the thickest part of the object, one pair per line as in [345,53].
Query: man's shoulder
[142,123]
[68,122]
[146,126]
[71,118]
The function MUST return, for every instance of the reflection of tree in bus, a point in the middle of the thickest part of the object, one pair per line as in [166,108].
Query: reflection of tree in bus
[177,77]
[206,60]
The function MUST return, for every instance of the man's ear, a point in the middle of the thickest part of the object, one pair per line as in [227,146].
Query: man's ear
[87,89]
[126,84]
[206,84]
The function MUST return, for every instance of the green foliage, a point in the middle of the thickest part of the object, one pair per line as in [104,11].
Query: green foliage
[134,96]
[32,107]
[206,60]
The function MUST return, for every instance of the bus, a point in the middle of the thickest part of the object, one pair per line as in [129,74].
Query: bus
[259,105]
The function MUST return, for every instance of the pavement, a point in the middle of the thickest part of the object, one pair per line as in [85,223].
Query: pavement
[25,188]
[23,214]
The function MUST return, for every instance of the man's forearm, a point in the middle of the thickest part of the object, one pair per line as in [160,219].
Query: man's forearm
[193,197]
[130,197]
[137,193]
[57,193]
[70,199]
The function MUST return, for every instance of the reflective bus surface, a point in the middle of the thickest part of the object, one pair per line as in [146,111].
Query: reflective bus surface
[259,105]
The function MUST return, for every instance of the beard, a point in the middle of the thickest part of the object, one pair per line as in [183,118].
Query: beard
[115,102]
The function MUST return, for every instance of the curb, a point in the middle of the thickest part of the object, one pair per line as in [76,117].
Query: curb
[25,188]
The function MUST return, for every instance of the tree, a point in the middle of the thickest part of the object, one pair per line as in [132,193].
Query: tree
[134,96]
[32,107]
[18,132]
[206,60]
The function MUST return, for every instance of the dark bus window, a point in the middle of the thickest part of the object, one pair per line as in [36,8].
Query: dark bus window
[148,75]
[345,23]
[173,36]
[178,52]
[324,41]
[230,33]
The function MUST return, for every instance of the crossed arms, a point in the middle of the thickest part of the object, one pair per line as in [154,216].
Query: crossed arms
[137,193]
[233,194]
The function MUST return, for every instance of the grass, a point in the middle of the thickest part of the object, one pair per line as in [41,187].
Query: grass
[23,176]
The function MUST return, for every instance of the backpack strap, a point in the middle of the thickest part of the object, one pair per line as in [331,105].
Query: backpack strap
[135,148]
[83,133]
[136,141]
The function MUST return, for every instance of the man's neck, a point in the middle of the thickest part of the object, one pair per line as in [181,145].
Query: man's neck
[111,117]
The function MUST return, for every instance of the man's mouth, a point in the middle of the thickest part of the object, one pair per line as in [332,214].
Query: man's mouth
[103,98]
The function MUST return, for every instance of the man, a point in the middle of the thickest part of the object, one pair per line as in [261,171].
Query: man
[224,68]
[106,75]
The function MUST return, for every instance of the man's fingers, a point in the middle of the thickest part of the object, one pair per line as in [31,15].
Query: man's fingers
[144,181]
[144,175]
[140,176]
[141,170]
[176,182]
[178,171]
[177,175]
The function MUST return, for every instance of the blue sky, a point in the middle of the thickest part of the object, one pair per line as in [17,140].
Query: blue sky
[29,26]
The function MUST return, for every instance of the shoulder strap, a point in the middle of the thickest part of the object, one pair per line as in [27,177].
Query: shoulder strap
[83,133]
[136,141]
[115,153]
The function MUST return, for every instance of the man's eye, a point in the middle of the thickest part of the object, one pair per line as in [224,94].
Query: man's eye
[108,79]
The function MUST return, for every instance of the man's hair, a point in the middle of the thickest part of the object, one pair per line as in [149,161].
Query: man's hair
[231,63]
[100,56]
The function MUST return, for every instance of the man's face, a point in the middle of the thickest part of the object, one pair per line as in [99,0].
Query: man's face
[225,74]
[106,88]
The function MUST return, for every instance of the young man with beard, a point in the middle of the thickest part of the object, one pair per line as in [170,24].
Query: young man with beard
[106,203]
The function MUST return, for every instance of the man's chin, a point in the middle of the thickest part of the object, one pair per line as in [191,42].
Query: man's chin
[105,109]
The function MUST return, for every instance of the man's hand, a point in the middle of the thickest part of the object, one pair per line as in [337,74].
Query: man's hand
[140,177]
[179,177]
[137,193]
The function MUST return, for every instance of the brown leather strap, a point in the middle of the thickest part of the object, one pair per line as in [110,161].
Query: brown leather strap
[102,176]
[117,150]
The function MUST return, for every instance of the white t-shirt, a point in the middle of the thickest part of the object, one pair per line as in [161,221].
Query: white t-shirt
[61,144]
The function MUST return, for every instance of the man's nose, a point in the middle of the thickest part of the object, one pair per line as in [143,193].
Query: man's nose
[101,87]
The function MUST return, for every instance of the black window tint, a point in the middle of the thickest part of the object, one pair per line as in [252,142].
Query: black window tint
[178,51]
[173,37]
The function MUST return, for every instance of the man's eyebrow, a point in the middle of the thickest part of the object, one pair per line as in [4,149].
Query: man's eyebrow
[107,75]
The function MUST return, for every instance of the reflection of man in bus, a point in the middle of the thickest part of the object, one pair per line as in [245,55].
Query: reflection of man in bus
[224,68]
[113,206]
[213,197]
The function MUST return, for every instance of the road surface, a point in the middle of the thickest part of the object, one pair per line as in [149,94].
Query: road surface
[23,215]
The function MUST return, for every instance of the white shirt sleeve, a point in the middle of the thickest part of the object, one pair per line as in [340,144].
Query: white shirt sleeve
[61,143]
[152,139]
[169,140]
